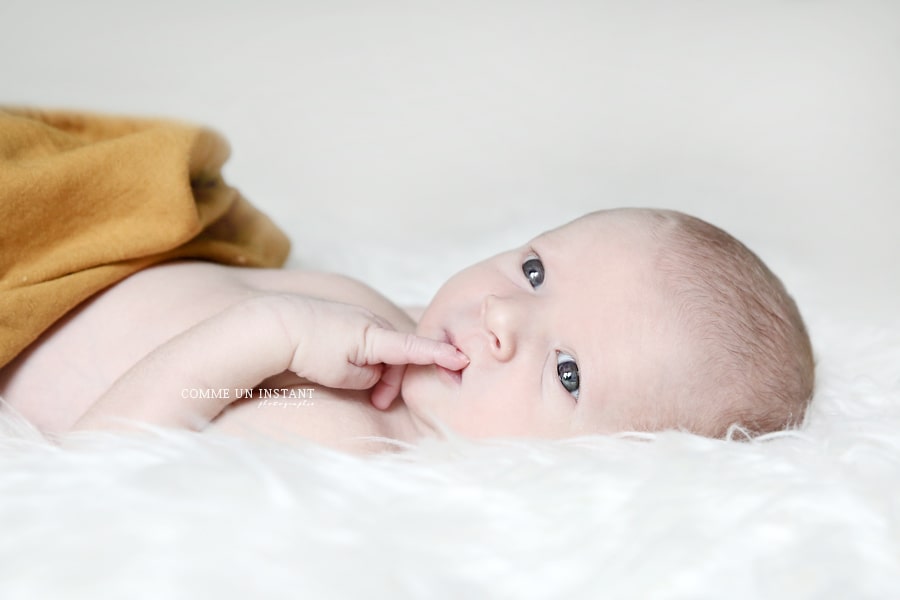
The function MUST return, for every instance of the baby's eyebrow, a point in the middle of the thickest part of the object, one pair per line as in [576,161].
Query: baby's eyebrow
[547,243]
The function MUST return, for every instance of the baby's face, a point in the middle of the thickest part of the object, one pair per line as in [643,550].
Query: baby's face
[567,335]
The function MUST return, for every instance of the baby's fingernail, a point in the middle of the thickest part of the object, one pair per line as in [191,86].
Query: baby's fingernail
[462,357]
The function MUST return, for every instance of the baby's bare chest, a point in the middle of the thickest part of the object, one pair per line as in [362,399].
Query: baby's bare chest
[340,419]
[74,363]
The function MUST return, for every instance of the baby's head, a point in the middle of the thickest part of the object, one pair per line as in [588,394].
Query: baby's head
[622,320]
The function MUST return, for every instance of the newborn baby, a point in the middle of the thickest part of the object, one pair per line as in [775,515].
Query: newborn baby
[622,320]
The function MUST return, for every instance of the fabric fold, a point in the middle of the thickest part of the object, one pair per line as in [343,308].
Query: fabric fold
[87,200]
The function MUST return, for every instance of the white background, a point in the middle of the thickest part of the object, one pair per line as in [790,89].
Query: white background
[398,141]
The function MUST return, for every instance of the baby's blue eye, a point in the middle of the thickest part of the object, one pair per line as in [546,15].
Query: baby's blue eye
[533,269]
[567,369]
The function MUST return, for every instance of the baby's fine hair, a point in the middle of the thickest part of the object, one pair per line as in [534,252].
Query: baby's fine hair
[757,369]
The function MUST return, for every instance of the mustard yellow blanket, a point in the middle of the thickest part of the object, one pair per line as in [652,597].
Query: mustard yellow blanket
[87,200]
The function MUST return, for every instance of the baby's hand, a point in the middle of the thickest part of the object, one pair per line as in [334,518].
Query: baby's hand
[336,345]
[348,347]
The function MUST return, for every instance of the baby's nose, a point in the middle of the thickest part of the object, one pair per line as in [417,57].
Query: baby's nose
[500,318]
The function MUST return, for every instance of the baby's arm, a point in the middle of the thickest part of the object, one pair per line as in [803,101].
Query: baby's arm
[336,345]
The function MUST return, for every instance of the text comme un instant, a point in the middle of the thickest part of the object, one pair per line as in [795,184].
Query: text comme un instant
[237,393]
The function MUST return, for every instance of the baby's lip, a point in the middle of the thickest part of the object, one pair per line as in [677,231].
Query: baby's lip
[454,376]
[448,338]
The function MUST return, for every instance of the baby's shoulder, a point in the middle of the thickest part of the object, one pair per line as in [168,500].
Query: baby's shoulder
[326,286]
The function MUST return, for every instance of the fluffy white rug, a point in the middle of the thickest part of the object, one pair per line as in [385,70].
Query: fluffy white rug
[810,514]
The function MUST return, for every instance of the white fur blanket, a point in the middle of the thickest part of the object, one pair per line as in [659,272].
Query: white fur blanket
[811,514]
[397,142]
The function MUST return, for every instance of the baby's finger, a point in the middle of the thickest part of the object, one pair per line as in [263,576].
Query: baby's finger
[395,348]
[388,387]
[351,377]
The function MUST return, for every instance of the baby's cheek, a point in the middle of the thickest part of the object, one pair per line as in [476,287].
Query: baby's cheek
[487,409]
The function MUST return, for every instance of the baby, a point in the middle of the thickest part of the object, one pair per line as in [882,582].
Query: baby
[622,320]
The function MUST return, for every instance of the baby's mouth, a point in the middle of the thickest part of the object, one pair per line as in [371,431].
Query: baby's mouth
[454,376]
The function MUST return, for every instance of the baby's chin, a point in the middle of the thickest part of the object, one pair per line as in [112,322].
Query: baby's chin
[414,387]
[428,395]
